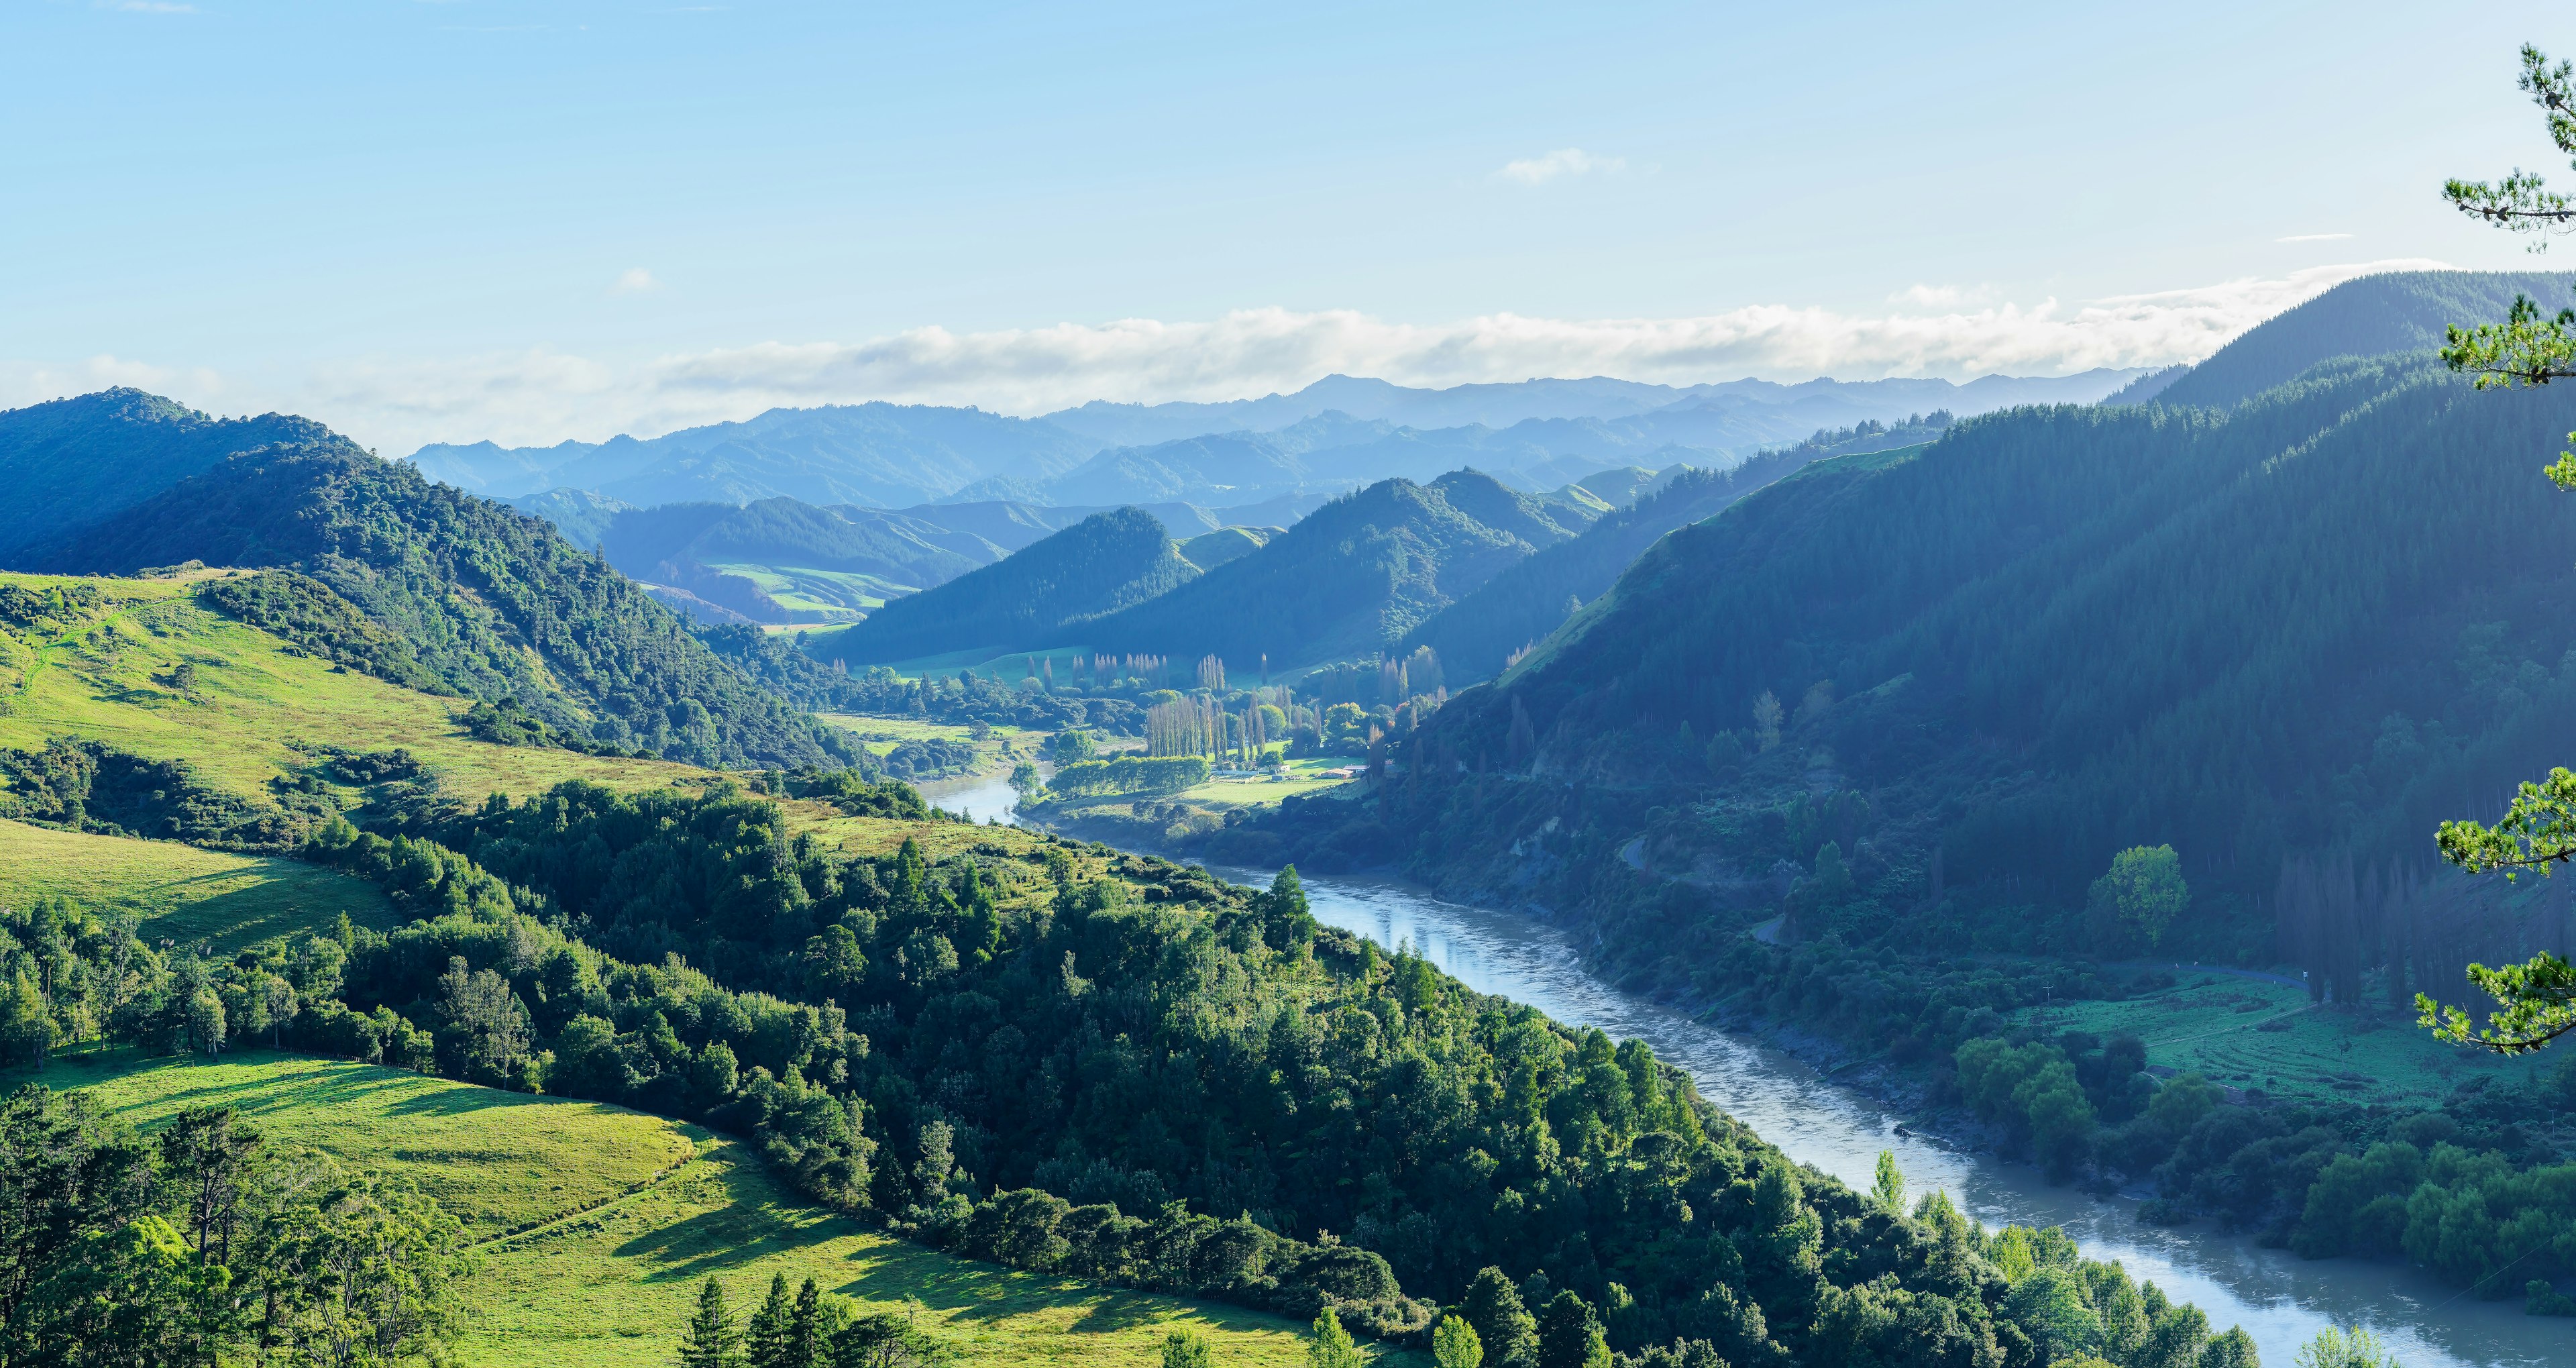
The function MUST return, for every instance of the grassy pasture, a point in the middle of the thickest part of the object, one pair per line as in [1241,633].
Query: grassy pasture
[832,597]
[597,1224]
[105,680]
[2217,1025]
[497,1161]
[181,892]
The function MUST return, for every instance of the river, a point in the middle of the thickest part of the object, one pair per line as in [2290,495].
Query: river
[2280,1299]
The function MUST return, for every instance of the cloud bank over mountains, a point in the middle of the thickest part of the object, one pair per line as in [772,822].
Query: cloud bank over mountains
[541,396]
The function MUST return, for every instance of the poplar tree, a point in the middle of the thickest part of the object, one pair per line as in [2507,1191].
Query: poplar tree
[1331,1347]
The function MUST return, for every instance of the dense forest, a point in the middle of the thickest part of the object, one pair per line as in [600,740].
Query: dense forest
[1350,578]
[72,462]
[2041,640]
[492,603]
[1106,562]
[1045,1055]
[784,531]
[1924,697]
[1477,634]
[2378,315]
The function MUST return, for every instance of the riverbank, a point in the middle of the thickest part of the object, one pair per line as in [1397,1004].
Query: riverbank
[1836,1108]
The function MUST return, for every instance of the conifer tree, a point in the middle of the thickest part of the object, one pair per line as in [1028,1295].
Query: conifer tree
[805,1329]
[767,1337]
[712,1340]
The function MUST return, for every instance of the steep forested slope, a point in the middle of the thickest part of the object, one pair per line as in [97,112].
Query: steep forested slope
[2379,315]
[1475,635]
[2316,624]
[1106,562]
[1354,576]
[903,549]
[494,603]
[72,462]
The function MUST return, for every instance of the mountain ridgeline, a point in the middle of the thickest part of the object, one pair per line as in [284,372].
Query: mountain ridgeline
[72,462]
[2379,315]
[2316,623]
[1106,562]
[1475,636]
[1334,436]
[1353,577]
[493,604]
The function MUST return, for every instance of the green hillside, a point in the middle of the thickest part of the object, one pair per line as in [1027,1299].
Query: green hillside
[680,543]
[1106,562]
[493,603]
[1208,550]
[597,1224]
[72,462]
[180,892]
[100,660]
[1525,602]
[2037,639]
[1352,577]
[2377,315]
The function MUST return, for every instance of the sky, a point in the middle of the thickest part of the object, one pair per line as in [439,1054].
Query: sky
[538,220]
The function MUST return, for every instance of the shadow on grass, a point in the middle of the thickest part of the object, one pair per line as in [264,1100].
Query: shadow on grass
[753,1220]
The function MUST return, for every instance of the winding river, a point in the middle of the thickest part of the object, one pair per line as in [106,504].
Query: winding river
[2280,1299]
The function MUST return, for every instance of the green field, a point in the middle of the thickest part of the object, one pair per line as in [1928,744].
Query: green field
[883,732]
[2215,1024]
[1008,666]
[180,892]
[822,596]
[597,1224]
[1296,777]
[497,1161]
[255,696]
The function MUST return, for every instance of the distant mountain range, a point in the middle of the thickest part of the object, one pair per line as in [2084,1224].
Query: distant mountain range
[783,561]
[1335,435]
[1355,576]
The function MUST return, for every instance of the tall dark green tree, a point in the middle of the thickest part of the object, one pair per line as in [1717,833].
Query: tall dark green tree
[1503,1324]
[805,1346]
[713,1340]
[1569,1334]
[768,1338]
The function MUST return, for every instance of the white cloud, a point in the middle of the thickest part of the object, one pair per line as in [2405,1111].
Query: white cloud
[634,280]
[2314,237]
[541,397]
[1942,296]
[1565,161]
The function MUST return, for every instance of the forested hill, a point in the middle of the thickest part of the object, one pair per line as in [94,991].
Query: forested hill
[71,462]
[904,550]
[2381,315]
[495,603]
[1475,635]
[1106,562]
[2318,623]
[1354,576]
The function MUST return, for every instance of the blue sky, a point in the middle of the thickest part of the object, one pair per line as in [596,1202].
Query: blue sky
[554,219]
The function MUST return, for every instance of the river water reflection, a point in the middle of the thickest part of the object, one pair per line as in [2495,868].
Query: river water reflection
[2280,1299]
